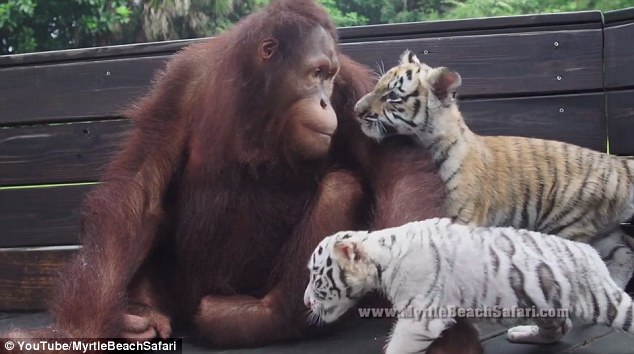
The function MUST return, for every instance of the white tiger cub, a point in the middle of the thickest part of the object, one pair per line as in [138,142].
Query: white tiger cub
[436,264]
[541,185]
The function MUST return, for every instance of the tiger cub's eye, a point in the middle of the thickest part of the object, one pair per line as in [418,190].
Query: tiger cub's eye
[393,97]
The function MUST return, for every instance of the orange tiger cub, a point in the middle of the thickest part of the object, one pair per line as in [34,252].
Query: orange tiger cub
[541,185]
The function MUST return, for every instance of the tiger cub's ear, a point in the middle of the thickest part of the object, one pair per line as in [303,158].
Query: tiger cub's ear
[443,83]
[347,252]
[408,57]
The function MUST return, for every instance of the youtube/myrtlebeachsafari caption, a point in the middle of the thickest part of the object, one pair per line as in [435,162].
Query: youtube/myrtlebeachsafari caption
[90,345]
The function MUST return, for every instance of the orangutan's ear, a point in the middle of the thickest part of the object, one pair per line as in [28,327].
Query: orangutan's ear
[267,48]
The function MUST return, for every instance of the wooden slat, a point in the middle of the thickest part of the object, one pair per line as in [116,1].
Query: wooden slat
[578,340]
[27,276]
[504,64]
[73,91]
[617,16]
[619,55]
[60,153]
[106,52]
[587,19]
[23,319]
[40,216]
[613,343]
[490,25]
[77,152]
[575,119]
[457,32]
[621,122]
[47,216]
[351,335]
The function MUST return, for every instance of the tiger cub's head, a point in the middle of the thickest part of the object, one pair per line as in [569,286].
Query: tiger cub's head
[401,100]
[340,274]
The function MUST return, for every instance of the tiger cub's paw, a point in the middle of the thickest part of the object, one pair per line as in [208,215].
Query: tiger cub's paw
[528,334]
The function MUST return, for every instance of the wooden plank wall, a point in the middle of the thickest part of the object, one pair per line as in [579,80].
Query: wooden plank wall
[619,83]
[619,80]
[537,76]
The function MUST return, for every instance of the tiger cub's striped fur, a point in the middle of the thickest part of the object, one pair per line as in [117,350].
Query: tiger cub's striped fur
[541,185]
[437,264]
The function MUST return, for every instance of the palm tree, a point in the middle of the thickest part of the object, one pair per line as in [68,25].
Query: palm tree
[173,19]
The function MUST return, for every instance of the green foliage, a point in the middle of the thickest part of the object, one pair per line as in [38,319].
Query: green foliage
[173,19]
[487,8]
[385,11]
[395,11]
[581,5]
[12,15]
[27,25]
[343,17]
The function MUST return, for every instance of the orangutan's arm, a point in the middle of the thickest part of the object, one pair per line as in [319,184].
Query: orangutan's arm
[281,314]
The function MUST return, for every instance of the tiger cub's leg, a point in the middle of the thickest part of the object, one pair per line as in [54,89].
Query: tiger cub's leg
[545,332]
[616,251]
[466,213]
[411,335]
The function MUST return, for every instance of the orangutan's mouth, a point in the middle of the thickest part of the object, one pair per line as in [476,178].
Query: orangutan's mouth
[325,133]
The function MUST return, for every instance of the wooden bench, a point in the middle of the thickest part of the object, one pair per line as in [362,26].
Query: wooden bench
[568,77]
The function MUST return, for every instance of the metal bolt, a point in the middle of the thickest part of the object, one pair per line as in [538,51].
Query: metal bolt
[558,77]
[556,44]
[425,52]
[108,73]
[561,110]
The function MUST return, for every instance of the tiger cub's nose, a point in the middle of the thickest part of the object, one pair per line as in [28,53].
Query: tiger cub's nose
[307,301]
[362,107]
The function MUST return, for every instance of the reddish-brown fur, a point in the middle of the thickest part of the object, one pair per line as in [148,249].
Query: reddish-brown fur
[461,338]
[205,219]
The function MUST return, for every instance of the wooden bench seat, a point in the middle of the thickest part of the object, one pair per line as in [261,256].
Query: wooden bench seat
[368,336]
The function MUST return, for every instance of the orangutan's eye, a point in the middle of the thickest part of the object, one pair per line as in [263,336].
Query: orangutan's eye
[323,73]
